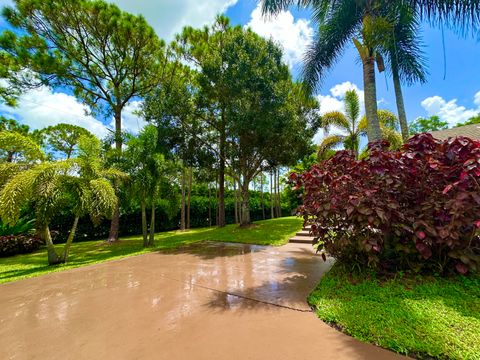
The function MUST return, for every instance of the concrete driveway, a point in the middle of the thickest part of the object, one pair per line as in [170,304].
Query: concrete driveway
[208,301]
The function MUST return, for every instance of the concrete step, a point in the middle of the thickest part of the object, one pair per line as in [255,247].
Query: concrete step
[304,233]
[302,239]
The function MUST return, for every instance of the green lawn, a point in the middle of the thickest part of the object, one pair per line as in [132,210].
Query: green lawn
[426,317]
[268,232]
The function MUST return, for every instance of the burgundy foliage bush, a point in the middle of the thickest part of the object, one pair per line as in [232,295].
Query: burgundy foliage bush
[18,244]
[414,209]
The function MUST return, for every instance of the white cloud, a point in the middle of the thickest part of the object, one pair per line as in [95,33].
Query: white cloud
[334,101]
[168,17]
[42,107]
[450,111]
[293,35]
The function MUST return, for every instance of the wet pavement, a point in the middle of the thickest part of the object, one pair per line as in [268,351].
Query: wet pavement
[208,301]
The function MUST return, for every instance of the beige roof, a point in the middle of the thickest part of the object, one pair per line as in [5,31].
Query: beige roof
[471,131]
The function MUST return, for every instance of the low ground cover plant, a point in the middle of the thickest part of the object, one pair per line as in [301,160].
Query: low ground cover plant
[414,209]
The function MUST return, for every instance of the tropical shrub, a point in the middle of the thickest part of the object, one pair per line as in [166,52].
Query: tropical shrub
[22,226]
[418,208]
[18,244]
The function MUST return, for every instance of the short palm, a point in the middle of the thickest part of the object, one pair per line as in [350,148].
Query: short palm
[355,127]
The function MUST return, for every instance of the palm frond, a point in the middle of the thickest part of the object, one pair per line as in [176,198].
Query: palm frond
[335,31]
[392,136]
[462,13]
[388,119]
[329,143]
[404,52]
[352,106]
[103,199]
[335,118]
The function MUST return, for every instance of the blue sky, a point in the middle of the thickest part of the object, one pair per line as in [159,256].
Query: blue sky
[454,99]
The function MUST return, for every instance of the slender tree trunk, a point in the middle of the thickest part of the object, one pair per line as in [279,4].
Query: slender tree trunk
[221,180]
[182,210]
[151,241]
[216,203]
[370,88]
[10,156]
[190,176]
[277,195]
[71,236]
[235,196]
[272,213]
[209,206]
[262,197]
[402,115]
[245,213]
[144,223]
[53,257]
[115,223]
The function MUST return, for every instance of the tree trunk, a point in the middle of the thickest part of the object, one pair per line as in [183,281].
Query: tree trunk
[144,223]
[221,175]
[70,238]
[151,241]
[10,156]
[235,196]
[245,213]
[53,257]
[272,214]
[261,194]
[373,126]
[115,223]
[182,210]
[279,208]
[216,203]
[209,206]
[402,115]
[275,194]
[190,176]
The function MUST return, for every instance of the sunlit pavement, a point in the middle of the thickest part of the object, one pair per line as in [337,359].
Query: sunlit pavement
[208,301]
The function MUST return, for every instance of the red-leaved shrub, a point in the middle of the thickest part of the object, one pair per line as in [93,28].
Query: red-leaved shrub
[18,244]
[416,209]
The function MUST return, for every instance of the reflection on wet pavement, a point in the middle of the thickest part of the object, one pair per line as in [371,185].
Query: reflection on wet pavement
[207,301]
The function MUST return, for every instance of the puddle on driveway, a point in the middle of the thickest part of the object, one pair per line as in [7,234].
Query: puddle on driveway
[205,301]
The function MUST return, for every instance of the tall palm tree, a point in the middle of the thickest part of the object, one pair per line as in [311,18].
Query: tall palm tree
[406,58]
[355,127]
[364,22]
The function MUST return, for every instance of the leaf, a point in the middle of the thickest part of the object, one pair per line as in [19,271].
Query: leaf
[461,268]
[421,235]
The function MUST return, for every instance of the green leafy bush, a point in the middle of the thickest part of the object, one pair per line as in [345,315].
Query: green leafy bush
[23,226]
[415,209]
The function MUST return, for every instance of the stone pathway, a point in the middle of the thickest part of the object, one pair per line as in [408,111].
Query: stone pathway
[209,301]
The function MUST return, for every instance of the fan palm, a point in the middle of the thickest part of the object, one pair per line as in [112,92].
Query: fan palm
[368,24]
[81,183]
[355,127]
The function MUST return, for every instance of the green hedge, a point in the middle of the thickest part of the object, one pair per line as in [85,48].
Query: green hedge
[130,220]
